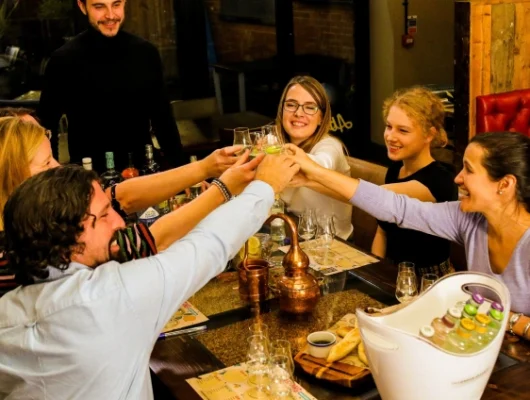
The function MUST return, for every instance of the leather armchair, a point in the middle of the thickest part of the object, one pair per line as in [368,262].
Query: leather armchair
[508,111]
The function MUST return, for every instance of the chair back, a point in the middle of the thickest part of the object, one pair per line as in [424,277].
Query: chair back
[194,109]
[364,224]
[508,111]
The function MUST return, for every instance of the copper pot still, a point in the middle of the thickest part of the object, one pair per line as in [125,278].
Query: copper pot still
[298,289]
[253,277]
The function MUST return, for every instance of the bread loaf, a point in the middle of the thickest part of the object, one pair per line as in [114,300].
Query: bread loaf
[362,353]
[343,330]
[345,346]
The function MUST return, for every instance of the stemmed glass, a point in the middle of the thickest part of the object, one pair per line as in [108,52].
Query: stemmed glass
[258,365]
[307,225]
[427,280]
[279,377]
[406,286]
[283,348]
[325,234]
[242,138]
[272,141]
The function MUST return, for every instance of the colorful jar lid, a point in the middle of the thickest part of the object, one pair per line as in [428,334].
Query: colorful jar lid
[497,306]
[483,319]
[467,324]
[477,298]
[455,312]
[496,314]
[427,331]
[470,309]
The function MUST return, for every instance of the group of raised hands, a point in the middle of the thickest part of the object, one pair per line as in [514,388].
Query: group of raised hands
[279,171]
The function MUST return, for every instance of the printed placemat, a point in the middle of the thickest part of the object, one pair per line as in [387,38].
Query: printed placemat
[232,384]
[186,315]
[345,257]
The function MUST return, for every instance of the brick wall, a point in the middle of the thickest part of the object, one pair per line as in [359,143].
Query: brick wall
[318,29]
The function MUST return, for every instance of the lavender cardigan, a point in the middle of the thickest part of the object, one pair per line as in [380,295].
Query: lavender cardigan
[446,220]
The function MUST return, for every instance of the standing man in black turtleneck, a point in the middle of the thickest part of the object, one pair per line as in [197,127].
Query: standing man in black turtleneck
[109,84]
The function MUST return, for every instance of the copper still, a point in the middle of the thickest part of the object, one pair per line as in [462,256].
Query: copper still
[253,277]
[298,289]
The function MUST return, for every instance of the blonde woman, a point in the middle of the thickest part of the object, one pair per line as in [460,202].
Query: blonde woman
[414,120]
[304,119]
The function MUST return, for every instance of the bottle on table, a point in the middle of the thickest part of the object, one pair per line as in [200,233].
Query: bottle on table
[110,177]
[459,339]
[442,326]
[195,190]
[151,214]
[130,171]
[87,163]
[150,166]
[277,231]
[427,332]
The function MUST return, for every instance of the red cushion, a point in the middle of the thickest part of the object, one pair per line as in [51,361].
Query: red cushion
[508,111]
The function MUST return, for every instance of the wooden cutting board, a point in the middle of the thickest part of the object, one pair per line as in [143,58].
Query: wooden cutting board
[349,372]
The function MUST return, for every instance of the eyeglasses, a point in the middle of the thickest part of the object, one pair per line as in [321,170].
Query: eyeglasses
[48,134]
[292,106]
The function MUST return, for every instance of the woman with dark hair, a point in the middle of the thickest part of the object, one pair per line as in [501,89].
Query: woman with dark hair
[492,218]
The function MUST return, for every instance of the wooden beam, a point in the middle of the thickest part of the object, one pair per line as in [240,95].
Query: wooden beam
[521,59]
[502,47]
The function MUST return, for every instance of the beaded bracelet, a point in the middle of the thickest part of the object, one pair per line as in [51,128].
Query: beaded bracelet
[513,320]
[222,187]
[525,330]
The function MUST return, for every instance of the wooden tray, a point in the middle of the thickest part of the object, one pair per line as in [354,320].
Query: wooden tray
[339,372]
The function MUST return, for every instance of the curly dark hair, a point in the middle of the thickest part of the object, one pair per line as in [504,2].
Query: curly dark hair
[43,221]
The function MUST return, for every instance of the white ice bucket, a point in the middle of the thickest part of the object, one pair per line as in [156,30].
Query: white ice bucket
[406,366]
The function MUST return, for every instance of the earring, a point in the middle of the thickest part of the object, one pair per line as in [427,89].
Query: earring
[500,192]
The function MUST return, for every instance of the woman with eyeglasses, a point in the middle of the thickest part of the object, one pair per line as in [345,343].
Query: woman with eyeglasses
[304,119]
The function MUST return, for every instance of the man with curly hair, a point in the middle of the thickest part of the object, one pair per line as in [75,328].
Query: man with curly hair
[83,325]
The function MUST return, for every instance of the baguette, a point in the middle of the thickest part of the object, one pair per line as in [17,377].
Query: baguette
[362,353]
[343,330]
[345,346]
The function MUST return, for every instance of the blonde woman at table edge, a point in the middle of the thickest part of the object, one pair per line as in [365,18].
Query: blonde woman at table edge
[304,119]
[414,119]
[25,151]
[491,220]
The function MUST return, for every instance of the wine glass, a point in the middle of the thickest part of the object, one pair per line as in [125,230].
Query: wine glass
[406,287]
[283,348]
[258,328]
[427,280]
[258,365]
[279,377]
[325,234]
[307,226]
[242,138]
[272,141]
[257,143]
[406,266]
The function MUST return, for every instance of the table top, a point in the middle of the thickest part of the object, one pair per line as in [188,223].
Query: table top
[175,359]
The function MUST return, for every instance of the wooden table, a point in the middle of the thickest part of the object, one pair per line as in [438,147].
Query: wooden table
[176,359]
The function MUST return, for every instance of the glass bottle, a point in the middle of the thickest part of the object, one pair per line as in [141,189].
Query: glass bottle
[110,177]
[151,166]
[277,231]
[130,171]
[442,326]
[427,332]
[480,337]
[87,163]
[495,324]
[195,190]
[458,340]
[476,300]
[469,311]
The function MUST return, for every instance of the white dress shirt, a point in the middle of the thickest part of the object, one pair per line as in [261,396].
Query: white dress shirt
[329,154]
[88,333]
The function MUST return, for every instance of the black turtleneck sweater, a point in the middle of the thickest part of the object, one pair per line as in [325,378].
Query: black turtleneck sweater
[112,91]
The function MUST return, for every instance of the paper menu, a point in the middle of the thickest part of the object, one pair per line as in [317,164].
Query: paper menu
[186,315]
[232,384]
[345,257]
